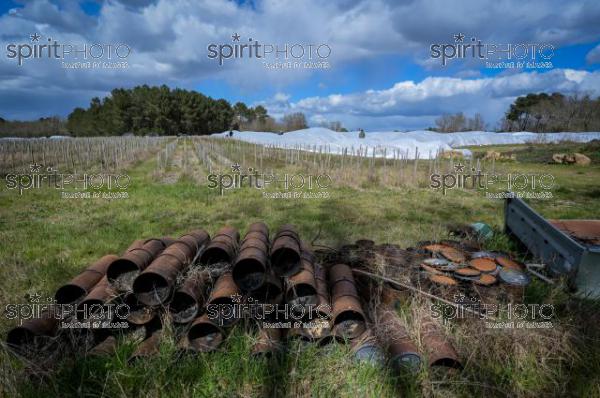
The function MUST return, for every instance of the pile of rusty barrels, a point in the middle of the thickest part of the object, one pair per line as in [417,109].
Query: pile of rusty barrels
[205,285]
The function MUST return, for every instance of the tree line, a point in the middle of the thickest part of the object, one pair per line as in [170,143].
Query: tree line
[42,127]
[541,113]
[161,111]
[145,110]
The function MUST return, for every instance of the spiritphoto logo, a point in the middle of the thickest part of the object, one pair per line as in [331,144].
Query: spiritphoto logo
[253,178]
[72,316]
[71,56]
[497,315]
[273,56]
[495,185]
[495,55]
[273,315]
[38,177]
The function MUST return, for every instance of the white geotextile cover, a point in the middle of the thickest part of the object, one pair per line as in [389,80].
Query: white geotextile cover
[404,144]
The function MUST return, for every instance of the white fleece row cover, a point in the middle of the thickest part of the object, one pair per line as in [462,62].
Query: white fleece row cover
[399,144]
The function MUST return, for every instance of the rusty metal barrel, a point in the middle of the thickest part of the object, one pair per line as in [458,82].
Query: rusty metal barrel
[33,333]
[403,353]
[106,347]
[136,244]
[438,348]
[155,284]
[150,346]
[268,342]
[270,292]
[93,304]
[323,309]
[122,272]
[347,313]
[205,335]
[222,299]
[139,313]
[222,248]
[147,348]
[367,349]
[189,298]
[82,284]
[286,251]
[301,288]
[260,227]
[251,264]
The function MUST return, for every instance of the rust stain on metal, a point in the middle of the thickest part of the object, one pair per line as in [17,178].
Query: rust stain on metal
[189,299]
[155,284]
[443,280]
[147,348]
[454,255]
[139,313]
[96,299]
[508,263]
[438,348]
[485,280]
[586,231]
[271,291]
[122,272]
[83,283]
[222,248]
[324,300]
[430,269]
[367,349]
[483,264]
[250,266]
[268,342]
[222,293]
[301,288]
[136,244]
[393,333]
[347,313]
[286,251]
[106,347]
[33,333]
[205,335]
[467,271]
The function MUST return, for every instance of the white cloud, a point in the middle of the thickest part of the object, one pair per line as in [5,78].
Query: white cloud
[416,104]
[593,57]
[169,39]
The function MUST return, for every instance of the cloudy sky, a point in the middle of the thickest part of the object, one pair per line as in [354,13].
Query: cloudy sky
[379,75]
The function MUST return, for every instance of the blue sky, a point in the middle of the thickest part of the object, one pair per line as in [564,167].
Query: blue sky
[381,74]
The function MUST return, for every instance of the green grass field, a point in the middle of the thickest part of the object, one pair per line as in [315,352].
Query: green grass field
[46,240]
